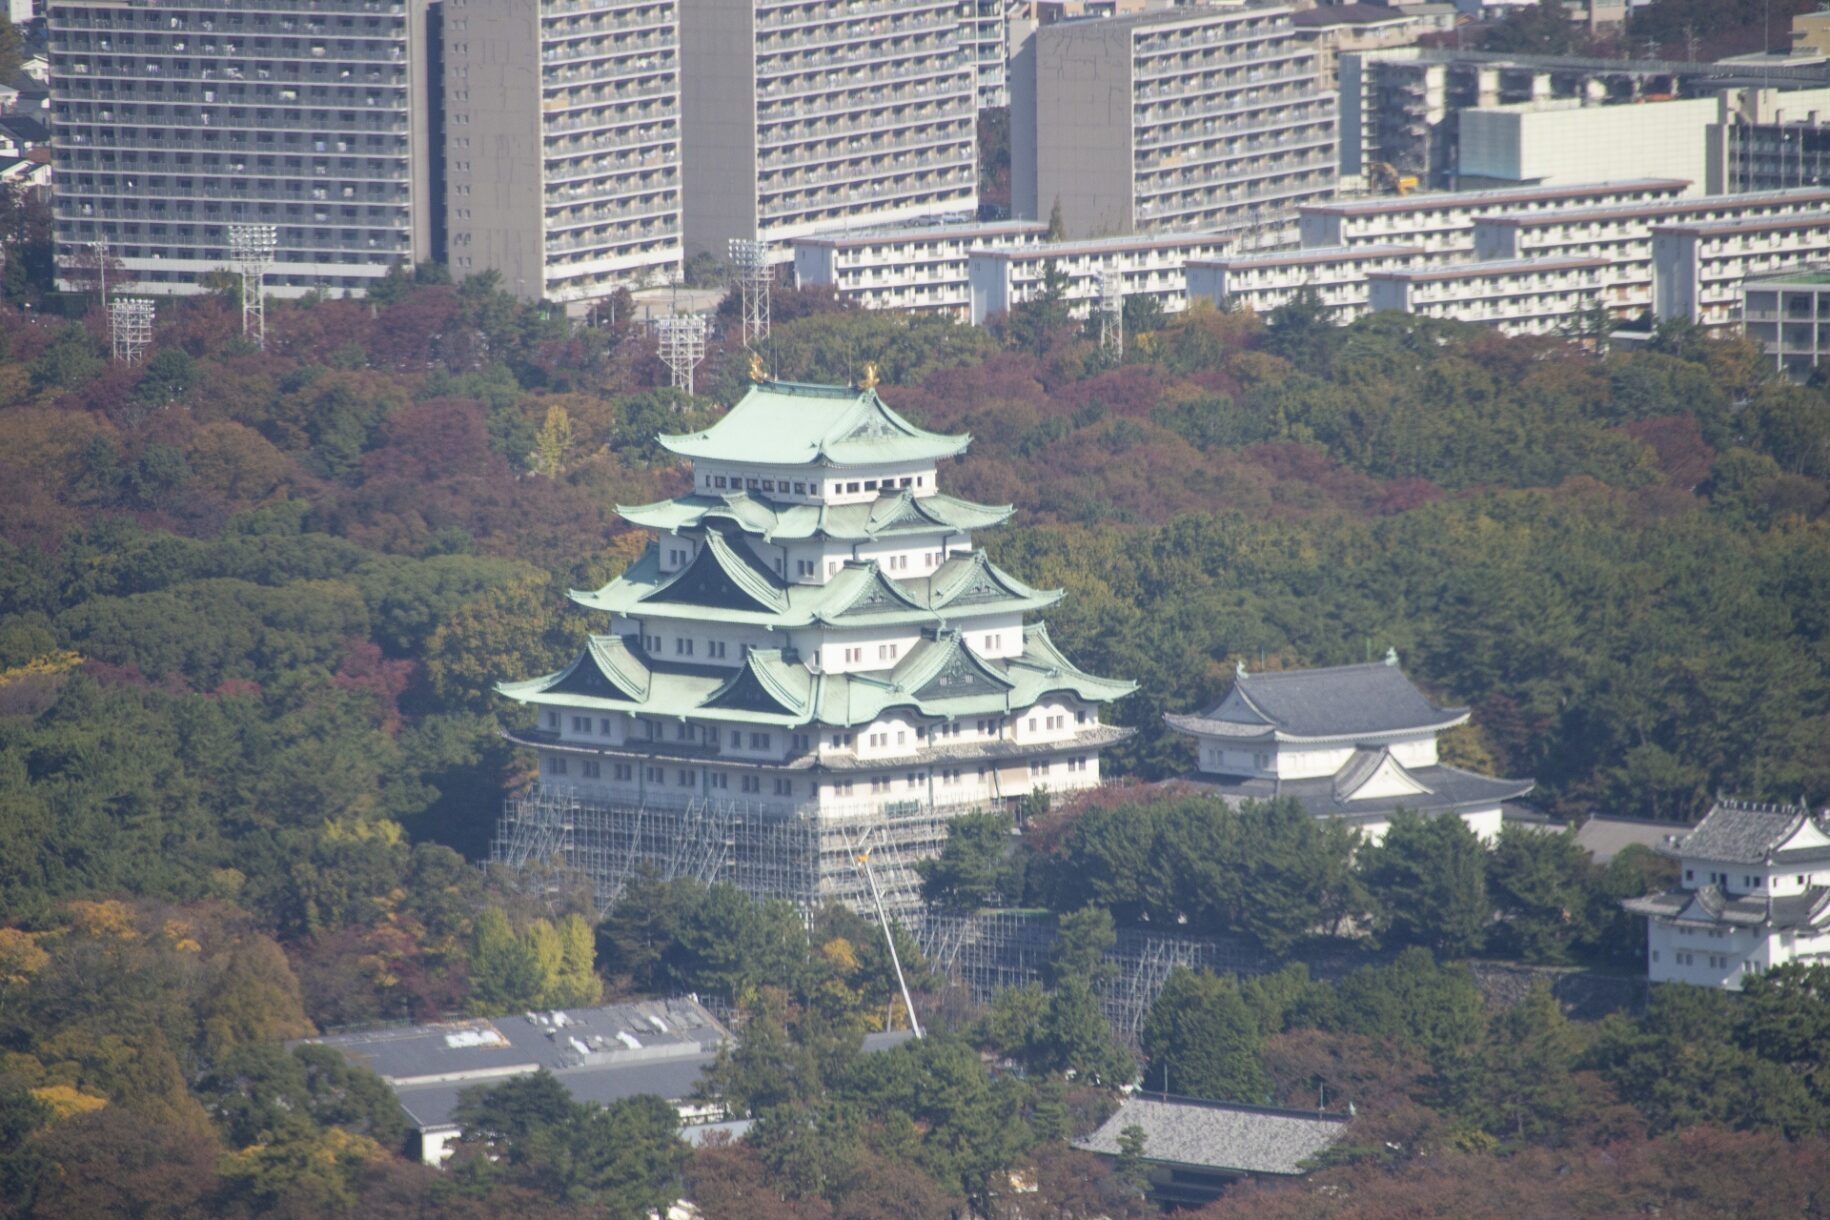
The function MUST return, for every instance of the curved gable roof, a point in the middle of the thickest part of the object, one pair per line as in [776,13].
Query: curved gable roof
[785,423]
[1343,701]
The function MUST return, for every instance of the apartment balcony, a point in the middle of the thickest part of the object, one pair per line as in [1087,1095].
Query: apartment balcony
[554,27]
[1238,87]
[1218,151]
[783,15]
[826,152]
[849,35]
[664,63]
[769,110]
[1311,104]
[562,8]
[789,132]
[601,48]
[1297,60]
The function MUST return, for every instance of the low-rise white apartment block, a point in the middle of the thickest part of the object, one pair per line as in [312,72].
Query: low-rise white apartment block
[562,144]
[1154,267]
[1178,120]
[804,116]
[1698,269]
[1262,282]
[1443,222]
[1790,317]
[922,269]
[1532,296]
[1622,234]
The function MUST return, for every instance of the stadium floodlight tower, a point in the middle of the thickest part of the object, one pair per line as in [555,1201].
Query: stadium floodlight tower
[682,344]
[1112,314]
[252,246]
[753,261]
[130,322]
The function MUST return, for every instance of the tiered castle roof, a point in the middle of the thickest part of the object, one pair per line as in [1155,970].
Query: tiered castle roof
[885,517]
[787,423]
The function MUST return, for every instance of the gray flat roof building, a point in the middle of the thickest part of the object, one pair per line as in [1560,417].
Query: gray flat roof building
[1182,120]
[562,143]
[174,120]
[805,116]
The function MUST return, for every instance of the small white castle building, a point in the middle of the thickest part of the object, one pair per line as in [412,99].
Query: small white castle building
[1353,741]
[1753,893]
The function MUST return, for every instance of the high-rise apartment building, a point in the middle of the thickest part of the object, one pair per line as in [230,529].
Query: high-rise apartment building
[805,116]
[1178,120]
[985,41]
[176,120]
[562,143]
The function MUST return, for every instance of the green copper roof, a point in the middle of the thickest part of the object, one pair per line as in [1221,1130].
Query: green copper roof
[725,584]
[887,516]
[940,678]
[785,423]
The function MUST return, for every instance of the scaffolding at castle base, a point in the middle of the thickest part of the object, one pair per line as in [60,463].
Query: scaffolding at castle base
[989,951]
[806,859]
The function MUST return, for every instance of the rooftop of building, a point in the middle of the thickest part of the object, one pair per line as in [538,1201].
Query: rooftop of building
[934,232]
[1450,200]
[1818,220]
[1809,277]
[789,423]
[1656,207]
[1361,15]
[1307,255]
[1495,269]
[1805,76]
[1605,837]
[1219,1136]
[614,1035]
[1342,701]
[1746,832]
[1710,906]
[1108,245]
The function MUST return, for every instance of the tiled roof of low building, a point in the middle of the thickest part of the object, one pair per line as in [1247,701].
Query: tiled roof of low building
[1219,1135]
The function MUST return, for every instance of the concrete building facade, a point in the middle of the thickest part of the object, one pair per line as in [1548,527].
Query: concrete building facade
[1790,317]
[1563,140]
[921,269]
[804,116]
[1698,269]
[1181,120]
[1764,139]
[1443,223]
[1154,267]
[175,120]
[1262,282]
[1533,296]
[562,121]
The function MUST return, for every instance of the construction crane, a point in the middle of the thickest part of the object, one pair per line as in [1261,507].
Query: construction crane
[863,858]
[1387,176]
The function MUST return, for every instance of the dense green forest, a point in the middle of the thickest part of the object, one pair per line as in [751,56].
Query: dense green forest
[252,604]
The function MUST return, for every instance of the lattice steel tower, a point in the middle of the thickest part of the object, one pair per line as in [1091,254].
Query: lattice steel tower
[130,321]
[755,277]
[682,344]
[252,247]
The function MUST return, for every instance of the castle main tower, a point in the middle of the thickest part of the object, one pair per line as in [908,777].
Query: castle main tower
[812,661]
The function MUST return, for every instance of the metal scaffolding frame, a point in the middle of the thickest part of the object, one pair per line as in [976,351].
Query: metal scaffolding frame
[130,325]
[681,340]
[1112,314]
[754,263]
[807,859]
[989,951]
[252,247]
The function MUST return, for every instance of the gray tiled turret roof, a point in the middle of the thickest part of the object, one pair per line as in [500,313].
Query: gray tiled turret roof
[1741,832]
[1339,701]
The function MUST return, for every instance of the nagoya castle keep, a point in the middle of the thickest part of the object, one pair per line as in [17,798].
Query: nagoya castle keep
[810,664]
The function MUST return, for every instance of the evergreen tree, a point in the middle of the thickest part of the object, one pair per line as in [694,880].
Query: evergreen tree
[1201,1040]
[1078,1038]
[1540,884]
[1429,880]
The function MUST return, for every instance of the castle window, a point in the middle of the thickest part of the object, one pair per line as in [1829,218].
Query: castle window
[593,770]
[581,724]
[686,778]
[800,489]
[718,482]
[621,771]
[714,648]
[784,787]
[768,484]
[759,741]
[870,485]
[718,779]
[603,726]
[552,720]
[556,766]
[752,783]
